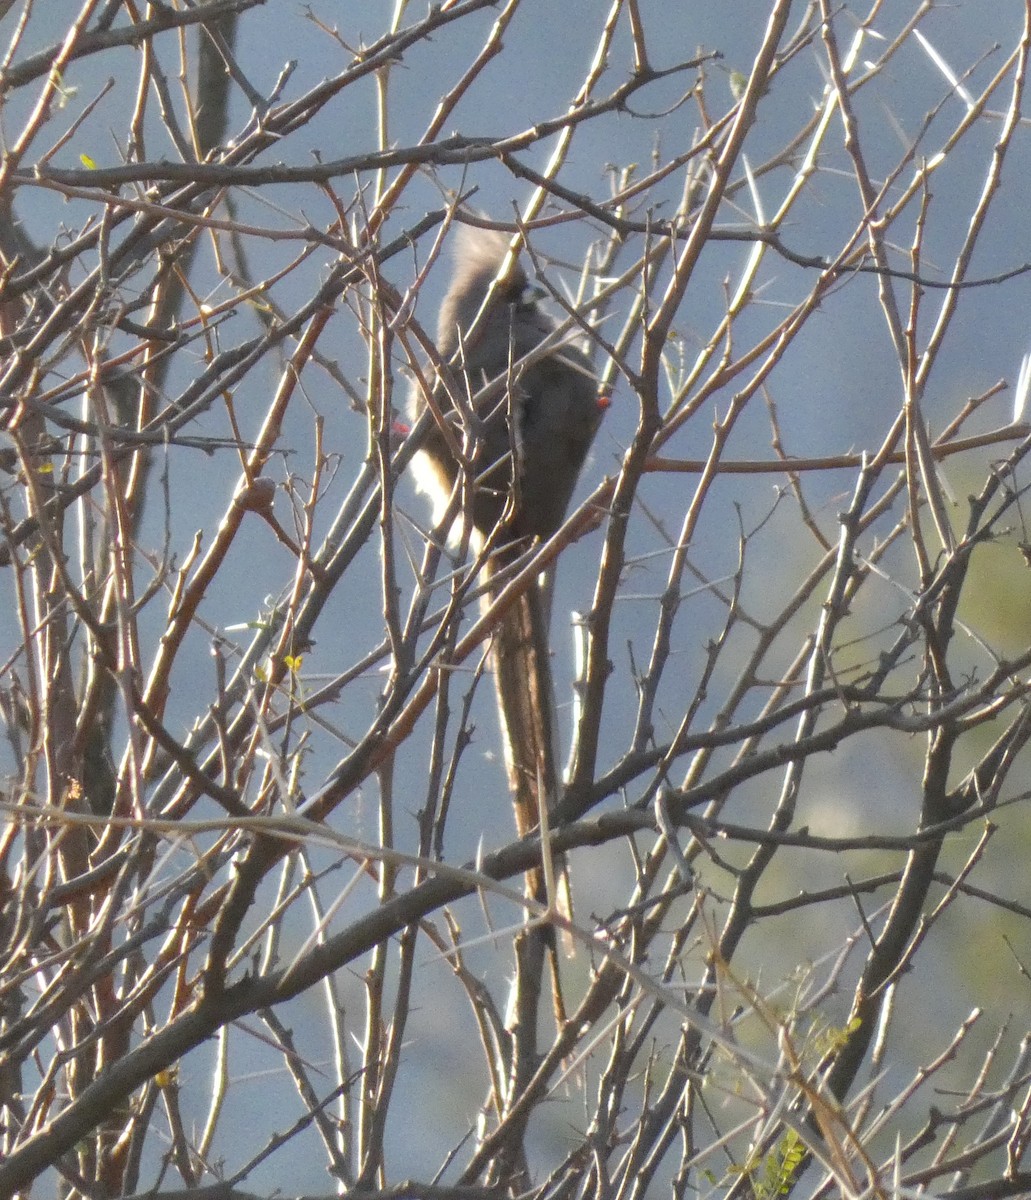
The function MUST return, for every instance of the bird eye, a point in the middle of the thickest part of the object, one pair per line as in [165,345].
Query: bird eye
[513,292]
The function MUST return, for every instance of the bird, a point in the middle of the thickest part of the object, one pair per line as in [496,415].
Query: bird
[532,426]
[535,429]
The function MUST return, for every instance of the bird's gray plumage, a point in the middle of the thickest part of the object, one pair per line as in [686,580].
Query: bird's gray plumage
[553,401]
[535,426]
